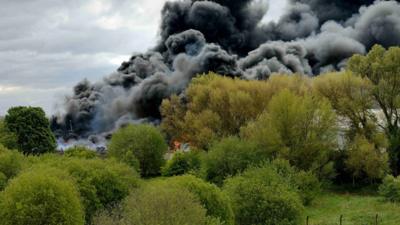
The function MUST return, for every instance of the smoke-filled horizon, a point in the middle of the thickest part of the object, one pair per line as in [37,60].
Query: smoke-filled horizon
[229,38]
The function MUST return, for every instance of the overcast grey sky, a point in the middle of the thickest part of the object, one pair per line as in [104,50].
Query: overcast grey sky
[47,46]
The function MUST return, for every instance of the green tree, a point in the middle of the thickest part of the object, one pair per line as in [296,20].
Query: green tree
[364,159]
[260,196]
[215,106]
[351,97]
[231,156]
[41,197]
[301,129]
[139,143]
[382,68]
[32,129]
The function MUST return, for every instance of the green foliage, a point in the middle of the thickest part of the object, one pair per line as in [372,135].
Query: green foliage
[301,129]
[390,189]
[163,206]
[351,97]
[139,143]
[3,181]
[260,196]
[41,197]
[217,107]
[101,183]
[304,183]
[364,159]
[382,68]
[211,197]
[7,138]
[231,156]
[182,163]
[80,152]
[11,162]
[32,129]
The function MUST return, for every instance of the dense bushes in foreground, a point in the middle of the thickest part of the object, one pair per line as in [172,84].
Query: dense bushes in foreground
[41,197]
[101,183]
[260,196]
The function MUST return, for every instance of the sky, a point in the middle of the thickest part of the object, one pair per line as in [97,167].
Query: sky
[47,46]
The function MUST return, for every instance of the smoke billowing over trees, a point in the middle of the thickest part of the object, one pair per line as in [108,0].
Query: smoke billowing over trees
[231,39]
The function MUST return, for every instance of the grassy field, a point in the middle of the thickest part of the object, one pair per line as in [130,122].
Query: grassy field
[356,209]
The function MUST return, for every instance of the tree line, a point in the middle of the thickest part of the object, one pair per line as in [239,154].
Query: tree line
[260,152]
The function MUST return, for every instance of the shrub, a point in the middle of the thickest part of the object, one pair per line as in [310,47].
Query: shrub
[260,196]
[32,130]
[80,152]
[211,197]
[139,143]
[181,163]
[163,206]
[304,183]
[101,183]
[229,157]
[11,163]
[40,197]
[390,189]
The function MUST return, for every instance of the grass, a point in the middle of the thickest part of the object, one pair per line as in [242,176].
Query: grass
[357,209]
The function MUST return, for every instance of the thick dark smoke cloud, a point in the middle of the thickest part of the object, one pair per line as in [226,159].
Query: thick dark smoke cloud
[227,37]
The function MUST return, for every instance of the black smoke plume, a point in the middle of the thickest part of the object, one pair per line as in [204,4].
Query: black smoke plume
[230,38]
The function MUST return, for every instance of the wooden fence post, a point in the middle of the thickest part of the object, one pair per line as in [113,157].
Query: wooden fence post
[341,219]
[308,218]
[376,219]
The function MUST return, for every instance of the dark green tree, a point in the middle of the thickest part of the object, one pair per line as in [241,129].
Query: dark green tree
[31,128]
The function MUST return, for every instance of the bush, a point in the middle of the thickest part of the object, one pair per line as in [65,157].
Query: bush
[41,197]
[101,183]
[163,206]
[304,183]
[31,128]
[390,189]
[181,163]
[229,157]
[80,152]
[11,162]
[260,196]
[139,143]
[211,197]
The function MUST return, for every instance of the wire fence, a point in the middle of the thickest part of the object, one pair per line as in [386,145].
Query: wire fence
[376,220]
